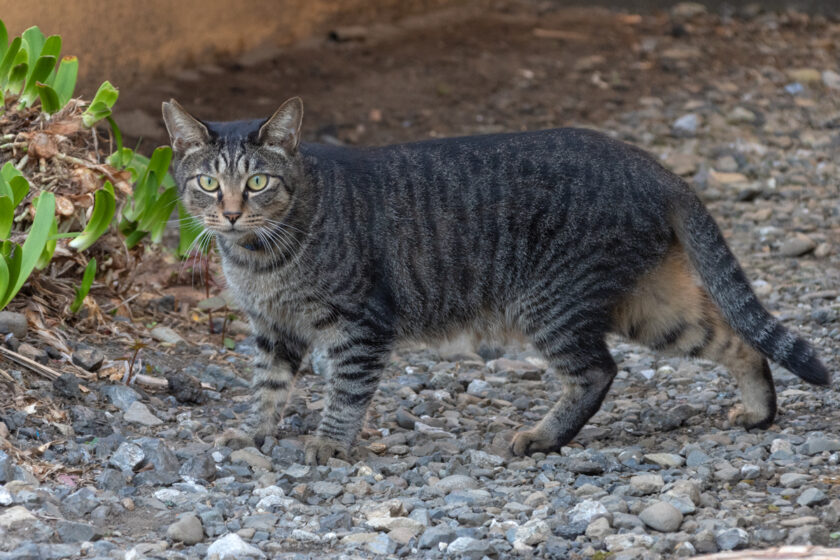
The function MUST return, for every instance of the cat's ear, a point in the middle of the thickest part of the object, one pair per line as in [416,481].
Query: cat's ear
[283,128]
[185,131]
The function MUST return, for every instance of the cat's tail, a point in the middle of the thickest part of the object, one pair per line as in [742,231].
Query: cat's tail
[731,291]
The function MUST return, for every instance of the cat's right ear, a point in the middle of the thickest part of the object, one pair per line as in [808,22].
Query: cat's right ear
[185,131]
[283,128]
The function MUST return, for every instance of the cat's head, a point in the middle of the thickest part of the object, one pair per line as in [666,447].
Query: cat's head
[237,178]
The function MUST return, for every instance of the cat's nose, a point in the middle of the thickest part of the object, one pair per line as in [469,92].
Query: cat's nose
[232,216]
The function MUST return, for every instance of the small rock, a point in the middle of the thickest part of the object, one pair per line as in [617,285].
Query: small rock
[812,497]
[815,445]
[685,11]
[15,323]
[478,387]
[186,388]
[532,533]
[484,460]
[17,526]
[199,467]
[666,460]
[831,79]
[325,489]
[405,419]
[71,531]
[797,246]
[740,115]
[88,358]
[252,457]
[662,516]
[232,547]
[823,250]
[139,413]
[187,530]
[67,385]
[686,125]
[166,335]
[643,484]
[457,482]
[696,458]
[732,539]
[804,75]
[586,511]
[598,529]
[793,480]
[33,353]
[750,472]
[468,547]
[80,503]
[434,535]
[382,544]
[127,457]
[120,396]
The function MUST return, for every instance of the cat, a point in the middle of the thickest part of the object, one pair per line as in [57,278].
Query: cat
[561,235]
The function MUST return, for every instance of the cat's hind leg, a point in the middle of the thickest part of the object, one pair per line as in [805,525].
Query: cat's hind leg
[669,312]
[585,370]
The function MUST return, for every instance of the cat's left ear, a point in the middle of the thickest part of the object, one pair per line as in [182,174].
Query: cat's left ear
[185,131]
[283,128]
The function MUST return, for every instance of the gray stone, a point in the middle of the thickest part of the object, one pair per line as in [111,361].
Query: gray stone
[732,539]
[166,335]
[456,482]
[532,533]
[598,529]
[71,531]
[478,387]
[120,396]
[15,323]
[251,456]
[484,460]
[187,529]
[127,457]
[434,535]
[139,413]
[382,545]
[199,467]
[643,484]
[7,467]
[232,547]
[586,511]
[696,458]
[33,353]
[111,479]
[88,358]
[812,497]
[80,503]
[327,490]
[793,480]
[468,547]
[67,385]
[666,460]
[662,516]
[17,526]
[797,246]
[686,125]
[831,79]
[405,419]
[750,471]
[814,445]
[162,459]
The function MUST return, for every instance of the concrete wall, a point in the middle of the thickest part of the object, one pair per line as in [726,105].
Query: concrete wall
[121,40]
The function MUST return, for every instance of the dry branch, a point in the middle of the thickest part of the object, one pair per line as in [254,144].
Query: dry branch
[781,553]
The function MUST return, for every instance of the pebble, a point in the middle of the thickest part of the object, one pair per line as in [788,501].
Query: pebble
[586,511]
[471,548]
[139,413]
[811,497]
[15,323]
[120,396]
[432,536]
[643,484]
[662,516]
[252,457]
[666,460]
[166,335]
[732,539]
[90,359]
[232,547]
[187,529]
[686,125]
[457,482]
[797,246]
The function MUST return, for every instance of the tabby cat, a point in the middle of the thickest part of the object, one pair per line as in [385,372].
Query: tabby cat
[561,235]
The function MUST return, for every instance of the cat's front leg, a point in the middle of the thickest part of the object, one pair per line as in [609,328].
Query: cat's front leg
[355,367]
[276,363]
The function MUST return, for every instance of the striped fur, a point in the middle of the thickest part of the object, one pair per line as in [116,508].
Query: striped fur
[561,235]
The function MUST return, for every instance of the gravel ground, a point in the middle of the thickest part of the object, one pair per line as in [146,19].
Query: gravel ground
[657,473]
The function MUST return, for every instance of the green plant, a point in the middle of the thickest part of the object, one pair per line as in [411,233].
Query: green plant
[84,288]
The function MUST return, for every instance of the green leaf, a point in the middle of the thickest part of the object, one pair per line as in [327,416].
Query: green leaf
[33,247]
[17,77]
[17,183]
[188,231]
[43,66]
[65,79]
[49,99]
[104,205]
[230,344]
[49,247]
[100,107]
[4,39]
[33,41]
[156,216]
[134,238]
[4,279]
[7,217]
[8,60]
[84,288]
[52,46]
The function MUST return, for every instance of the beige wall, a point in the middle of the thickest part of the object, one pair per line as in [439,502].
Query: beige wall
[123,40]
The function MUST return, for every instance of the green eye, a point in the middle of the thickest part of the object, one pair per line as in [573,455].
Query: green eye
[208,183]
[257,182]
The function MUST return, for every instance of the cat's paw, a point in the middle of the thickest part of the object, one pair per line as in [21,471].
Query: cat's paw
[530,441]
[235,439]
[740,416]
[320,449]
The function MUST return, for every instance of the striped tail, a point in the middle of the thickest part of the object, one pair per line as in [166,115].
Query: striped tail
[731,291]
